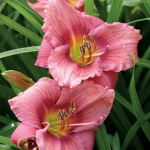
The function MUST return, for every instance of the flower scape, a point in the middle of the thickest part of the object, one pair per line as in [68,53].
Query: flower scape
[84,55]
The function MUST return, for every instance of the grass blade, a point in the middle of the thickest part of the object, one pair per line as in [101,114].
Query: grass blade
[23,4]
[115,10]
[139,69]
[137,3]
[101,10]
[7,141]
[19,51]
[123,101]
[138,20]
[12,24]
[116,142]
[137,107]
[102,138]
[133,130]
[34,22]
[144,63]
[89,4]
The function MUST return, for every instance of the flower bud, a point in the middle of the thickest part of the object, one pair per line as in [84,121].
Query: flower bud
[18,80]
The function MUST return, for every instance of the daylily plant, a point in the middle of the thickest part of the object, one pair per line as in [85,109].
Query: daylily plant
[77,46]
[55,119]
[39,5]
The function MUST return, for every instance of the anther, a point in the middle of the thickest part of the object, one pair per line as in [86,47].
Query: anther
[84,38]
[91,36]
[65,112]
[60,114]
[88,45]
[71,110]
[81,48]
[73,105]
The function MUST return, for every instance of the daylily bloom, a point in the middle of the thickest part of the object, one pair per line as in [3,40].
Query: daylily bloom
[55,119]
[77,46]
[39,5]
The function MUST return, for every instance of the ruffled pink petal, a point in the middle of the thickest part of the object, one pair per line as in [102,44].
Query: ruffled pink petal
[106,79]
[22,132]
[44,52]
[118,57]
[47,141]
[62,23]
[67,72]
[31,106]
[118,40]
[38,6]
[92,104]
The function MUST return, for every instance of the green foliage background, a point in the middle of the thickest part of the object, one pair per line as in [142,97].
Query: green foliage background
[127,126]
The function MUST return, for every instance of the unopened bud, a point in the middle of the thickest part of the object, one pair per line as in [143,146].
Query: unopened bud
[18,80]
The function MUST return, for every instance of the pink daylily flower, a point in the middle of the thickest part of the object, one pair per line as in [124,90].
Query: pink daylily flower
[39,5]
[60,119]
[77,46]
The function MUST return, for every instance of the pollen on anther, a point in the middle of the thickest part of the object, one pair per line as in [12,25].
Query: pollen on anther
[71,110]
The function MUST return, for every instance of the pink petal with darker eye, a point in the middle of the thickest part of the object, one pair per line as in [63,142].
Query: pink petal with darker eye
[45,50]
[22,132]
[67,72]
[106,79]
[92,104]
[35,102]
[47,141]
[63,23]
[38,6]
[118,40]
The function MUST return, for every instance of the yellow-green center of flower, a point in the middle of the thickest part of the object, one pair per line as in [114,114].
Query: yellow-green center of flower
[83,51]
[62,120]
[28,144]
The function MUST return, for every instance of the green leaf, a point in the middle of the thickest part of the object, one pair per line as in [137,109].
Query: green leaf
[144,63]
[6,147]
[8,130]
[137,107]
[133,130]
[7,141]
[6,91]
[123,101]
[147,5]
[137,3]
[89,4]
[116,142]
[23,4]
[115,10]
[101,10]
[139,69]
[102,138]
[5,120]
[36,24]
[12,24]
[138,20]
[2,6]
[125,2]
[19,51]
